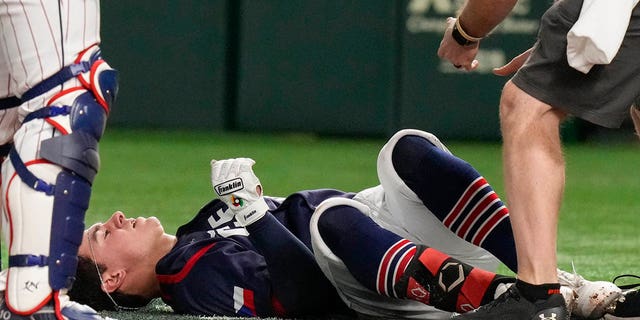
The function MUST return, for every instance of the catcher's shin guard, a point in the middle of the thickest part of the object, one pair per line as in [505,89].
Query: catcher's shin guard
[46,185]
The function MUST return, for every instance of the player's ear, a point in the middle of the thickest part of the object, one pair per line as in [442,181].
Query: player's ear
[112,280]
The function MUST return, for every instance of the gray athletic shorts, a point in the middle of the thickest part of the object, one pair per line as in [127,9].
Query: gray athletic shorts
[604,95]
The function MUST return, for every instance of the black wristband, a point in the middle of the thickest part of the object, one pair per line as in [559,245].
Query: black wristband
[460,39]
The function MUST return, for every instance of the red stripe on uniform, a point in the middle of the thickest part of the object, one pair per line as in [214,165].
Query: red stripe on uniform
[247,295]
[62,93]
[177,277]
[96,92]
[78,59]
[278,308]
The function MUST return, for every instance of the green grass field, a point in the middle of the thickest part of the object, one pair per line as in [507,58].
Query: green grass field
[166,174]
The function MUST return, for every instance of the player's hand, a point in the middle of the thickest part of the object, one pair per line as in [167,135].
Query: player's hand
[513,65]
[237,186]
[462,57]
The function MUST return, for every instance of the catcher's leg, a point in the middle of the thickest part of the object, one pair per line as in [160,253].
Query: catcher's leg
[8,126]
[46,185]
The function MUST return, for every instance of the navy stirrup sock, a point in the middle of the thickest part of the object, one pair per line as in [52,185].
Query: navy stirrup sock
[365,247]
[390,265]
[457,195]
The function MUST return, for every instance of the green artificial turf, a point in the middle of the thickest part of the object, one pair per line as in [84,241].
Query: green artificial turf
[166,174]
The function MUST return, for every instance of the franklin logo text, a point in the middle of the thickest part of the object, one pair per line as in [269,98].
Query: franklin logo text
[228,187]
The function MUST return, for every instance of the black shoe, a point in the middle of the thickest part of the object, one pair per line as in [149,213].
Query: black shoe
[511,305]
[628,306]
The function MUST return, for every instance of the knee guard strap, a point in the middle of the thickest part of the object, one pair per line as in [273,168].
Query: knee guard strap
[62,76]
[27,177]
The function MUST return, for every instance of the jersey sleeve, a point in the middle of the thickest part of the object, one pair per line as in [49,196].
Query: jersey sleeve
[297,280]
[218,278]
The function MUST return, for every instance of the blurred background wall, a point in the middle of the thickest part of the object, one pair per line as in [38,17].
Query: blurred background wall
[366,67]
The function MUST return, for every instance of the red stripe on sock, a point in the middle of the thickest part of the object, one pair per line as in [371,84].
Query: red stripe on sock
[463,202]
[489,225]
[402,266]
[383,270]
[473,216]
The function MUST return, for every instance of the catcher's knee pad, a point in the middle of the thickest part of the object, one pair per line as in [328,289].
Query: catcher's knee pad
[47,182]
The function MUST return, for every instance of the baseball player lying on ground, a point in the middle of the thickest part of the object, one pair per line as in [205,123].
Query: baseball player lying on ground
[419,245]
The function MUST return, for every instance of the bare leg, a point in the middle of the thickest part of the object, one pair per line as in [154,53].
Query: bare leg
[534,180]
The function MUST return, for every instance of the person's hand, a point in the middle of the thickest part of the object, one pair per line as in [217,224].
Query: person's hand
[513,65]
[460,56]
[238,187]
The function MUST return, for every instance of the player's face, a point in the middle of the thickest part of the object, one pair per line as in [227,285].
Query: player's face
[120,240]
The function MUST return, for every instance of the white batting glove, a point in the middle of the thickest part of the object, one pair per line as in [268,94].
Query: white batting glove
[238,187]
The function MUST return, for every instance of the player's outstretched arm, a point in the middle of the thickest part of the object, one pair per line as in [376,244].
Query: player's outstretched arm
[296,279]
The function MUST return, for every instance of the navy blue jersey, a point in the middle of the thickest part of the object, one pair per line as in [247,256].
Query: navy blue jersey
[216,269]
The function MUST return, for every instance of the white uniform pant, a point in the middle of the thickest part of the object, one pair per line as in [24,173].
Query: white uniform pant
[396,208]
